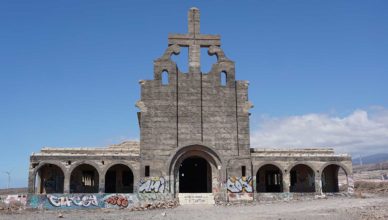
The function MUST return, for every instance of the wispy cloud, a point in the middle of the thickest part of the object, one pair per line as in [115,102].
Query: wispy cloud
[361,132]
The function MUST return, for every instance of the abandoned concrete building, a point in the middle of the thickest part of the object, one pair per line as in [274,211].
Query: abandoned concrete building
[194,138]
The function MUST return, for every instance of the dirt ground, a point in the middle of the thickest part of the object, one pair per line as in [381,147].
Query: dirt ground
[366,206]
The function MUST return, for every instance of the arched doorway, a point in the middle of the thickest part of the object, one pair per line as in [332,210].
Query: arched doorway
[49,179]
[269,178]
[188,161]
[119,179]
[302,179]
[195,176]
[334,179]
[84,179]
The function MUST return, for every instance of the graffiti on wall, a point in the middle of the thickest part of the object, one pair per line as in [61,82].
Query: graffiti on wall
[118,200]
[22,198]
[240,184]
[76,200]
[90,201]
[152,185]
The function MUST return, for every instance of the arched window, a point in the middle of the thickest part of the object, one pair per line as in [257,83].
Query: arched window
[164,76]
[119,179]
[334,179]
[269,179]
[84,179]
[223,78]
[49,179]
[302,179]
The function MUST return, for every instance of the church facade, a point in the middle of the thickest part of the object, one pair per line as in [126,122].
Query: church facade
[194,139]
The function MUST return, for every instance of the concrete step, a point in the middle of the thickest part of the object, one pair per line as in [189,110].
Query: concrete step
[196,199]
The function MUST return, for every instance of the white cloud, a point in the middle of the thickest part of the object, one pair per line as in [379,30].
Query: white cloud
[362,132]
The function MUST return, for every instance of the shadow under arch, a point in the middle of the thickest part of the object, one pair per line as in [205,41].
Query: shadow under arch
[84,177]
[269,178]
[49,178]
[194,151]
[302,178]
[332,179]
[341,165]
[119,178]
[264,163]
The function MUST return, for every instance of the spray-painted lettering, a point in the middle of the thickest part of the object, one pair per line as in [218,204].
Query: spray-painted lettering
[82,200]
[152,185]
[240,184]
[117,200]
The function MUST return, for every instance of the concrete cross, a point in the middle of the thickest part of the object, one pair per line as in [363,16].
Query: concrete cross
[194,40]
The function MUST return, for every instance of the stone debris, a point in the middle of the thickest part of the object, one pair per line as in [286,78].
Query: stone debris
[168,204]
[12,206]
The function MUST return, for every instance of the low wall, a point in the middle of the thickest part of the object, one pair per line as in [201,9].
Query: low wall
[132,201]
[93,200]
[285,196]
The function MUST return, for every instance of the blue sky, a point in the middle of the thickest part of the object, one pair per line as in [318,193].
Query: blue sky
[70,70]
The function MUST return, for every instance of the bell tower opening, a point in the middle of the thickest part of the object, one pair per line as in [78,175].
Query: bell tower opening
[195,176]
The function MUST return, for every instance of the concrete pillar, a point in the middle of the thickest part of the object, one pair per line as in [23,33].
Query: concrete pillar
[31,185]
[254,184]
[66,183]
[286,182]
[318,183]
[350,183]
[101,184]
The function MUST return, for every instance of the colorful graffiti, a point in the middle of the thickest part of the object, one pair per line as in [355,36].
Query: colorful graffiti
[121,201]
[77,200]
[152,185]
[92,201]
[16,198]
[240,184]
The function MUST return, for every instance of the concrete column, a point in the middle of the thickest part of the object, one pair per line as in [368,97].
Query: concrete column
[101,184]
[318,183]
[31,185]
[286,182]
[66,183]
[350,183]
[254,184]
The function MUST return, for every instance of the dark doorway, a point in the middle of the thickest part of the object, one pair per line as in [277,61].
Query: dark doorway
[110,184]
[119,179]
[302,179]
[334,179]
[195,176]
[84,179]
[49,179]
[269,179]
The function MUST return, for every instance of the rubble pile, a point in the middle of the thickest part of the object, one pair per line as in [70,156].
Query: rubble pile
[168,204]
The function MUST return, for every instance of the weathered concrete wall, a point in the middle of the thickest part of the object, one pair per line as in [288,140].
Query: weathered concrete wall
[92,201]
[68,164]
[194,108]
[316,162]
